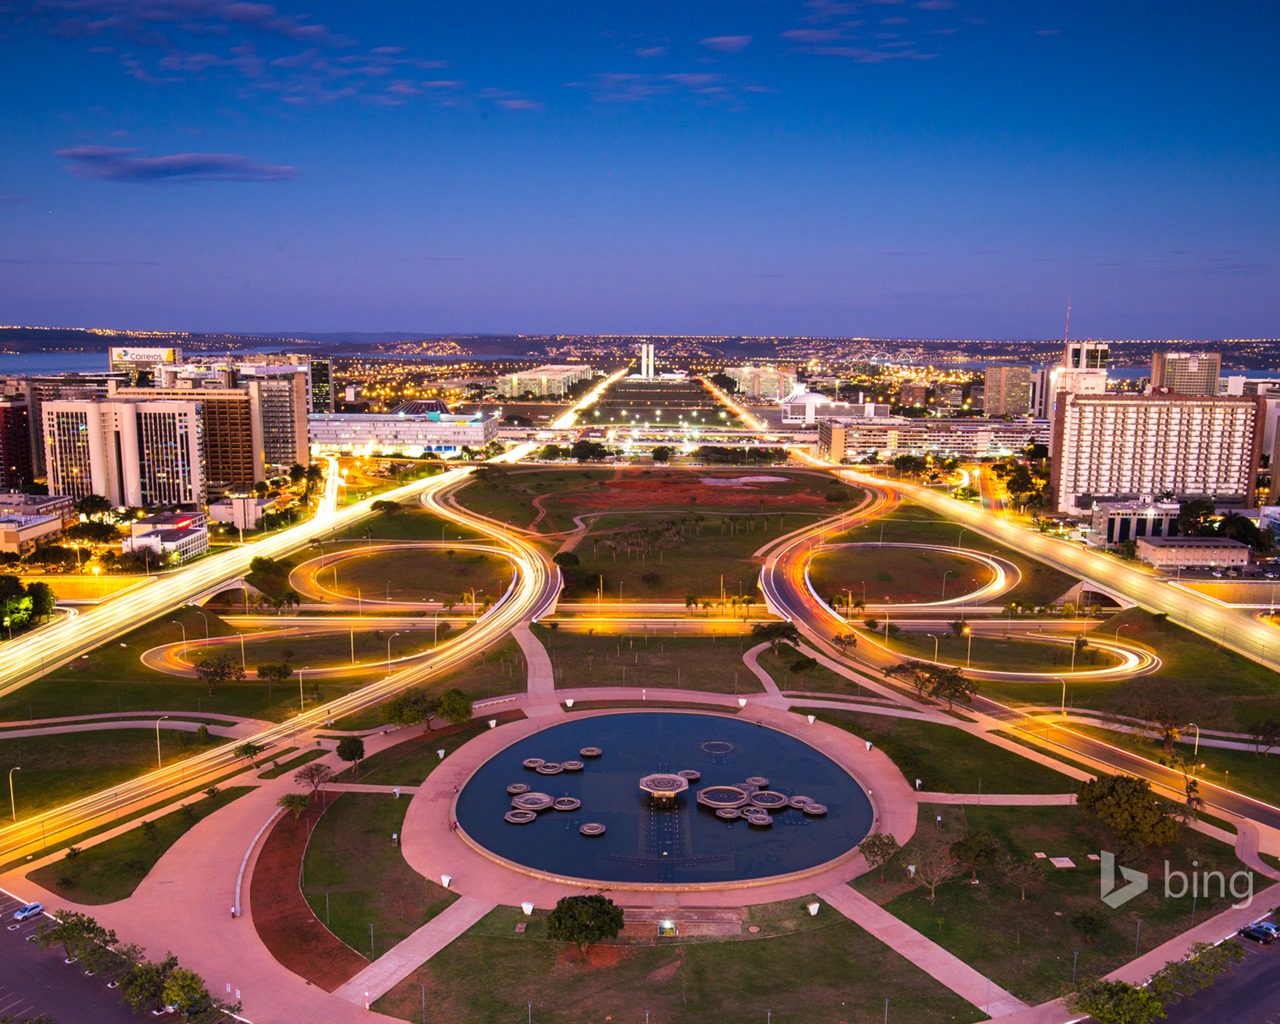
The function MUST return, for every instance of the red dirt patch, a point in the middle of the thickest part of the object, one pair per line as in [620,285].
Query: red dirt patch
[594,958]
[281,916]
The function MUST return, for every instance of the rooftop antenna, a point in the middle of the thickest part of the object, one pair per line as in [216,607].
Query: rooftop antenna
[1067,335]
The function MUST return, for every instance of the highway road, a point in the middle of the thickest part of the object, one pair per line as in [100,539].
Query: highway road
[534,593]
[783,581]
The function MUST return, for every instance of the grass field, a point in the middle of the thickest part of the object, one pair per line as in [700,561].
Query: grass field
[422,575]
[507,494]
[63,767]
[1028,947]
[412,522]
[1040,584]
[713,664]
[112,870]
[814,679]
[354,876]
[901,575]
[949,760]
[803,969]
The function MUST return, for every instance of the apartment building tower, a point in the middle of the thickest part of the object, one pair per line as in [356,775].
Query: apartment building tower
[1187,373]
[1139,447]
[1007,390]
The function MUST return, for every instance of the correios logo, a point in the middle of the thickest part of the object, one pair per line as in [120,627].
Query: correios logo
[1137,882]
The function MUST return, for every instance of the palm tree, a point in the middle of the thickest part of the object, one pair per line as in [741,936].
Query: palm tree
[690,602]
[748,600]
[706,609]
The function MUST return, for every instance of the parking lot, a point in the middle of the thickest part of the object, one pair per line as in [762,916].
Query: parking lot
[1250,995]
[35,981]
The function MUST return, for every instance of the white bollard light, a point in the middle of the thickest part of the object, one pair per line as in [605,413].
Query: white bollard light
[742,702]
[811,719]
[493,723]
[441,751]
[813,909]
[445,880]
[568,702]
[527,907]
[868,744]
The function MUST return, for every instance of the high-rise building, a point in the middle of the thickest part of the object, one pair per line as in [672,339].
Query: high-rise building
[1141,447]
[279,410]
[40,389]
[231,442]
[17,468]
[646,360]
[770,383]
[1187,373]
[140,363]
[1007,390]
[143,453]
[320,379]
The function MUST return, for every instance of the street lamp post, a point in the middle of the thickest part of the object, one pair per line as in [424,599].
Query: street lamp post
[944,582]
[1123,625]
[1063,709]
[389,639]
[359,602]
[206,626]
[183,626]
[935,645]
[1196,751]
[968,658]
[13,804]
[302,701]
[159,763]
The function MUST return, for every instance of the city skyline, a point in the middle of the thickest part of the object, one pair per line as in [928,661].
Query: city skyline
[928,169]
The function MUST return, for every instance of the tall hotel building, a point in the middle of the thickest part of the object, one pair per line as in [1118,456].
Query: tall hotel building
[135,453]
[1007,390]
[1139,447]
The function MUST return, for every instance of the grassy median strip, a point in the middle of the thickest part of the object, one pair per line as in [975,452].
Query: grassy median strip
[113,869]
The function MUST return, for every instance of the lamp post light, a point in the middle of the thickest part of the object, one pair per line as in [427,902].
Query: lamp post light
[935,645]
[1123,625]
[1196,751]
[183,626]
[159,763]
[13,804]
[944,582]
[206,626]
[1063,709]
[302,701]
[389,639]
[968,658]
[359,602]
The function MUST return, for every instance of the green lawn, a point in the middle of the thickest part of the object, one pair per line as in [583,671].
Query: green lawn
[351,857]
[902,575]
[112,870]
[410,762]
[320,650]
[1040,584]
[709,663]
[827,969]
[506,494]
[412,522]
[419,575]
[279,767]
[64,767]
[1028,947]
[814,679]
[947,759]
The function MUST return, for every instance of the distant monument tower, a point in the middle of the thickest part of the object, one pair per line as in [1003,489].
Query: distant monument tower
[646,360]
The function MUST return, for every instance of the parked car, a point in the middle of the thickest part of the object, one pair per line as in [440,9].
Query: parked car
[1270,926]
[1256,934]
[30,910]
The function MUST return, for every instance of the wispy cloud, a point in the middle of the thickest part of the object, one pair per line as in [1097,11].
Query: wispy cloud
[726,44]
[11,199]
[1048,31]
[509,100]
[628,87]
[650,51]
[937,5]
[54,262]
[112,164]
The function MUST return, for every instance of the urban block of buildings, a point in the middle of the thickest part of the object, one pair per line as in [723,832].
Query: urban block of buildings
[552,381]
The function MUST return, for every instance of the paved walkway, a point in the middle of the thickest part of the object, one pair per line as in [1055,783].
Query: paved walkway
[385,973]
[543,698]
[926,954]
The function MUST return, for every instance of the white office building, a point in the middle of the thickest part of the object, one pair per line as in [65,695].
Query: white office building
[766,383]
[551,381]
[432,433]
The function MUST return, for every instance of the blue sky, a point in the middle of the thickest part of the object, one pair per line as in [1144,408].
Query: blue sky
[923,168]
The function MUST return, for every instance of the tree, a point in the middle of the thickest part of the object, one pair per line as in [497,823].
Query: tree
[410,708]
[274,672]
[315,474]
[297,473]
[314,775]
[295,803]
[142,985]
[845,641]
[248,750]
[219,669]
[1117,1002]
[74,932]
[351,749]
[386,507]
[934,863]
[1265,734]
[878,849]
[455,707]
[92,532]
[566,560]
[957,627]
[775,634]
[977,850]
[43,601]
[1020,872]
[93,506]
[871,623]
[584,919]
[1194,517]
[663,453]
[951,684]
[1168,705]
[1128,806]
[1202,965]
[185,989]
